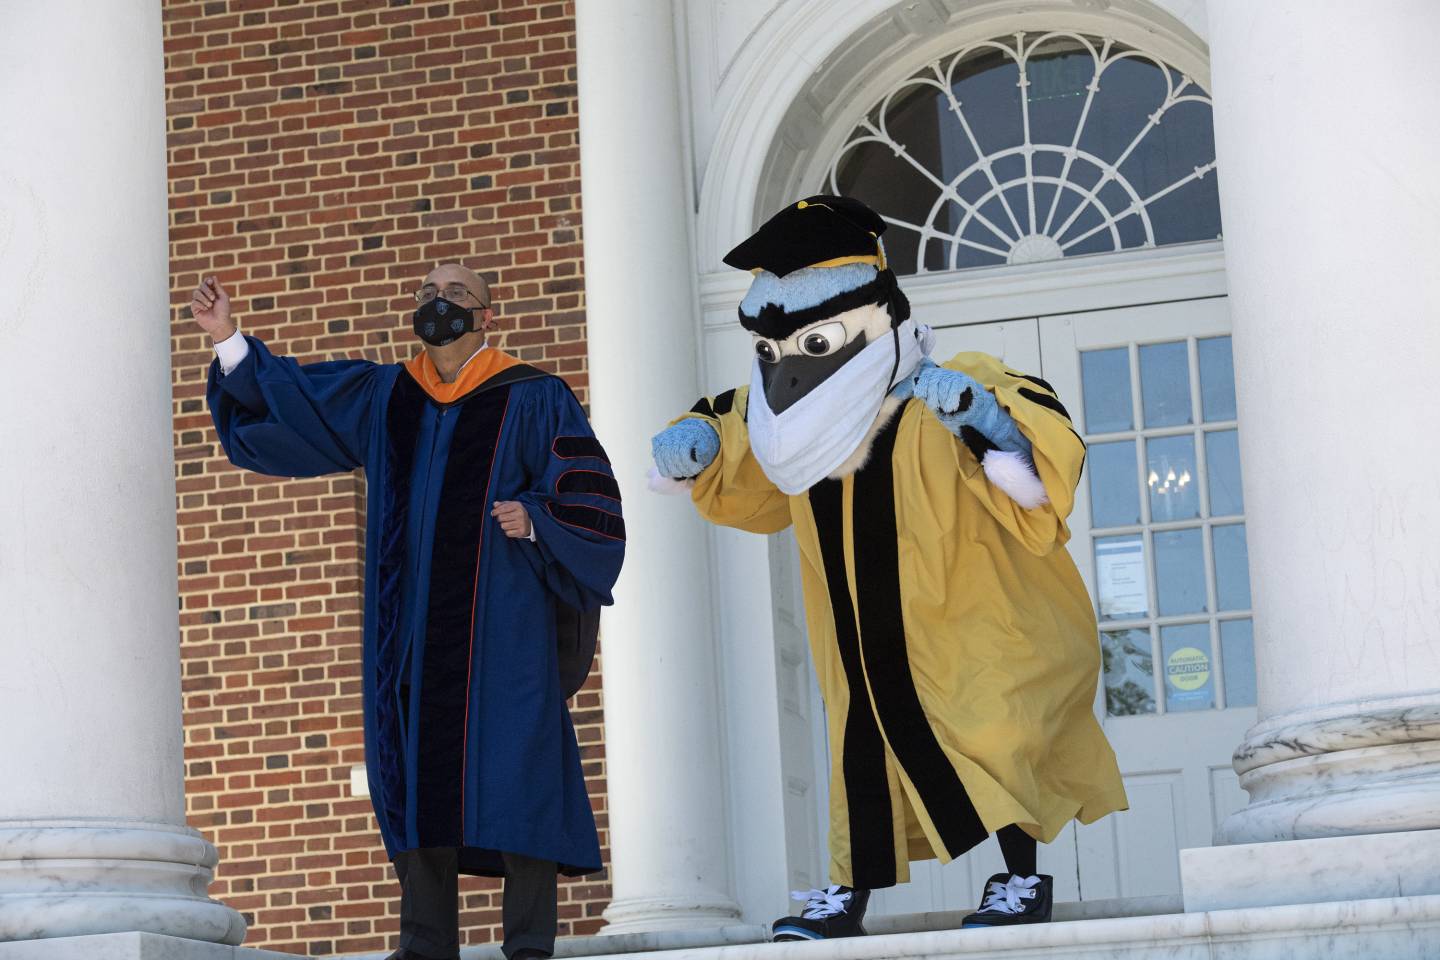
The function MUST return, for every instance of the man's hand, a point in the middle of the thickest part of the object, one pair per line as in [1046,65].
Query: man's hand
[513,518]
[210,306]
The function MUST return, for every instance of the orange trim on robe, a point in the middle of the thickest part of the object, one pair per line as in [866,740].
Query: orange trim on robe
[484,365]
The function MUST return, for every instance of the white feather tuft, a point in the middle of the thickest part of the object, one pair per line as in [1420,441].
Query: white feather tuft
[667,485]
[1013,473]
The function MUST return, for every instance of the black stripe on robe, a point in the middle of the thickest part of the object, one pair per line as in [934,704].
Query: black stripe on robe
[867,787]
[450,622]
[887,663]
[406,402]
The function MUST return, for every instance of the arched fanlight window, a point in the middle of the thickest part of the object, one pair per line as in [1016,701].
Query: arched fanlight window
[1035,147]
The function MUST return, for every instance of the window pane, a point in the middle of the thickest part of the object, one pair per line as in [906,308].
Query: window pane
[1165,384]
[1222,463]
[1217,379]
[1232,567]
[1105,377]
[1129,680]
[1170,474]
[1120,585]
[1114,494]
[1189,680]
[1180,571]
[1237,644]
[1115,103]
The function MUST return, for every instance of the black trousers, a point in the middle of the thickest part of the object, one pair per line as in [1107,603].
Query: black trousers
[430,904]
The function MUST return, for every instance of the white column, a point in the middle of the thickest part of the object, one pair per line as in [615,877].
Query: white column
[1327,131]
[662,717]
[92,818]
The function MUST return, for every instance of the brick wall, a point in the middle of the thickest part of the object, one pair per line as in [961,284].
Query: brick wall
[323,156]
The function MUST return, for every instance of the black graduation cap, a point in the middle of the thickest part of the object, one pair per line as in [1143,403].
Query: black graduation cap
[812,232]
[819,231]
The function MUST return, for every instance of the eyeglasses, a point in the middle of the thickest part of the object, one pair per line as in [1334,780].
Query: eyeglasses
[453,292]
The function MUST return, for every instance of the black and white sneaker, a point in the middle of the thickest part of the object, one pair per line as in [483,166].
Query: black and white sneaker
[828,914]
[1010,900]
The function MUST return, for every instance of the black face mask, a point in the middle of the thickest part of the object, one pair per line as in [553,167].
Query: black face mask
[440,322]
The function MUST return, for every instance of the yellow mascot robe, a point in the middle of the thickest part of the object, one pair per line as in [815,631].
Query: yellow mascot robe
[955,643]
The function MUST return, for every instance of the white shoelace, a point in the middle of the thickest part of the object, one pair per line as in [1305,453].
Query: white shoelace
[820,904]
[1006,897]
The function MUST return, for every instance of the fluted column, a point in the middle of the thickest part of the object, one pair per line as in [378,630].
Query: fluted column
[92,818]
[1327,134]
[662,717]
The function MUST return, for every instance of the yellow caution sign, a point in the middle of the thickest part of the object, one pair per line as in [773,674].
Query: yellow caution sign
[1188,668]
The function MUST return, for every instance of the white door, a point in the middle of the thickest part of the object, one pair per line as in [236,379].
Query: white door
[1151,390]
[1159,536]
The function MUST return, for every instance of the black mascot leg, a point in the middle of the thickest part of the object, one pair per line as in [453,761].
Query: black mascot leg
[1019,849]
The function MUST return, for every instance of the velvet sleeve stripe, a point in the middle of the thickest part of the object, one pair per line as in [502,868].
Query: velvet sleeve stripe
[1039,382]
[575,448]
[1045,400]
[603,522]
[1051,403]
[715,407]
[977,442]
[724,402]
[588,481]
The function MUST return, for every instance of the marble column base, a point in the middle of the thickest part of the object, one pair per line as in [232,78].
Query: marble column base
[1348,769]
[648,914]
[76,878]
[131,946]
[1324,870]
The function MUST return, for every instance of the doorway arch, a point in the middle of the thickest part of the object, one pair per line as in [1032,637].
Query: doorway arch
[826,63]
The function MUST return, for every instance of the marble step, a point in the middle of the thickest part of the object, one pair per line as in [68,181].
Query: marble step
[129,946]
[628,943]
[1406,928]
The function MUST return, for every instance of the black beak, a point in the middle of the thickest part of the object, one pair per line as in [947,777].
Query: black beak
[794,376]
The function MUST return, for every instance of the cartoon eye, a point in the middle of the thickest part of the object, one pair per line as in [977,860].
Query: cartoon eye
[823,340]
[766,351]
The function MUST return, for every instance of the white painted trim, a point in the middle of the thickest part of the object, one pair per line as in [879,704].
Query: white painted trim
[828,61]
[986,294]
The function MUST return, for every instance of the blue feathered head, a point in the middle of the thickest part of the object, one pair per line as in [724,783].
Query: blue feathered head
[815,259]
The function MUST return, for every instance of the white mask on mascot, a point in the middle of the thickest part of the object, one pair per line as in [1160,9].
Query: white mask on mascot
[807,438]
[810,439]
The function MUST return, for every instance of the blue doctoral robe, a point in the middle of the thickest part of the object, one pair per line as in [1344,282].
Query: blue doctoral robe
[468,742]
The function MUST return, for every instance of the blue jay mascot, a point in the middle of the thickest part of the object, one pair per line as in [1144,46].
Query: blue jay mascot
[953,638]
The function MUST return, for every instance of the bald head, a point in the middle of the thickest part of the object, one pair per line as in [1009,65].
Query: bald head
[448,273]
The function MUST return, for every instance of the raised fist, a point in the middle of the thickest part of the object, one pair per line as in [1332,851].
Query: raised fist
[210,306]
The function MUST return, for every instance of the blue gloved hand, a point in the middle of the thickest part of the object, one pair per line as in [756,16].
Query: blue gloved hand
[958,401]
[684,450]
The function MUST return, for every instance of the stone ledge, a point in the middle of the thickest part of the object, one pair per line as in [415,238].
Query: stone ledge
[131,946]
[606,944]
[1406,928]
[1319,870]
[1399,929]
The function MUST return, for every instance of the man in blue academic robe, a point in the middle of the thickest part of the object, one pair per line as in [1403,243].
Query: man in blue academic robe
[493,521]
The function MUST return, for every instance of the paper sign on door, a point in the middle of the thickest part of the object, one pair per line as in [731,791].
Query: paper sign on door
[1120,579]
